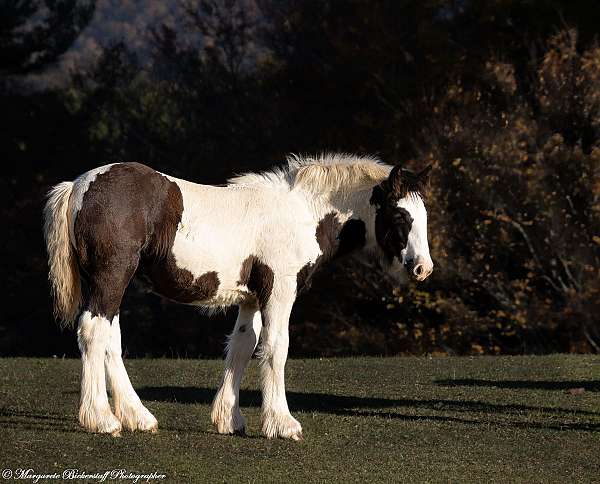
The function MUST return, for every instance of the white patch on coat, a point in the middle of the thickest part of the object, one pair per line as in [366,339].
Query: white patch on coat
[274,225]
[417,247]
[275,218]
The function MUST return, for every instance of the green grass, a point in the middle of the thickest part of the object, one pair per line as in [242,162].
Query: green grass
[364,419]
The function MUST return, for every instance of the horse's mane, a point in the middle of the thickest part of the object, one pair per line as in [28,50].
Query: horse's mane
[326,172]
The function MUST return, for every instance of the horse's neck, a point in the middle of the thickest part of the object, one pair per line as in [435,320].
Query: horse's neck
[353,204]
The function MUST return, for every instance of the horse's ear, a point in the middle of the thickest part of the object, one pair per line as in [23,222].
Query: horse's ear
[395,180]
[423,177]
[424,173]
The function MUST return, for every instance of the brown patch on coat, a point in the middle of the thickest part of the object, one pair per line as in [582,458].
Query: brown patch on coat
[353,236]
[258,277]
[392,223]
[304,276]
[179,285]
[327,233]
[335,240]
[128,219]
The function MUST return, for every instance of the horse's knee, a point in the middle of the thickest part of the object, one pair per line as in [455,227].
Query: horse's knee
[241,343]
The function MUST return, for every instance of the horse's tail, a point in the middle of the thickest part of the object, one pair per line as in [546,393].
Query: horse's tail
[62,261]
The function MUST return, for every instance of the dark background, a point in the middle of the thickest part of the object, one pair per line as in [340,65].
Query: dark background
[501,96]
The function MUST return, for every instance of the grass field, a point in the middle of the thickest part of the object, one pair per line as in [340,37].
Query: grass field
[364,419]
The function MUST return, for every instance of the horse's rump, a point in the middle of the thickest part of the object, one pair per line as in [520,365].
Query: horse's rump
[128,218]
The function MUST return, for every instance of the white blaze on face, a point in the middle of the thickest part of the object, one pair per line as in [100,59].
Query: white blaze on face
[416,253]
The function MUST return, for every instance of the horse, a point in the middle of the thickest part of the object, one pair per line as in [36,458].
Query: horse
[254,242]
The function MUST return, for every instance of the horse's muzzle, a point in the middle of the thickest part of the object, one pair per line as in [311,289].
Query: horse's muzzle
[419,268]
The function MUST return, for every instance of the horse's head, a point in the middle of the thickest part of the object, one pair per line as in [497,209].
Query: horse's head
[400,227]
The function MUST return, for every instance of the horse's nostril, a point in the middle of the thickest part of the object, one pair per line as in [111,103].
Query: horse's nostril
[418,270]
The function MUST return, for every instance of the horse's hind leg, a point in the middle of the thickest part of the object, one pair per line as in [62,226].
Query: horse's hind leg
[226,415]
[93,334]
[107,279]
[128,407]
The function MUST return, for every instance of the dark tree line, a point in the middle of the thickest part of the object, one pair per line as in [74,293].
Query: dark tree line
[503,97]
[33,34]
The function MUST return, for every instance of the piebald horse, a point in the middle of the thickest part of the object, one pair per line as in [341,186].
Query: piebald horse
[254,243]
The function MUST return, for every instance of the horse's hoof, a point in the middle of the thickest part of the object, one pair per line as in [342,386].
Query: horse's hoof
[229,421]
[100,421]
[281,425]
[137,418]
[150,425]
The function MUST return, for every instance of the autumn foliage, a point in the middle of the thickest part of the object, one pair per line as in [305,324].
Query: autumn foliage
[514,212]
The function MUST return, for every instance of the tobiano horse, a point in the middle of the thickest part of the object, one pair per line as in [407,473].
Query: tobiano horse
[254,243]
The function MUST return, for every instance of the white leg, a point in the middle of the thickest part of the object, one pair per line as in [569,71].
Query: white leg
[93,335]
[128,407]
[226,415]
[277,420]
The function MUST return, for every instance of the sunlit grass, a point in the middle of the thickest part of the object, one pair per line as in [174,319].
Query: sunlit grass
[528,419]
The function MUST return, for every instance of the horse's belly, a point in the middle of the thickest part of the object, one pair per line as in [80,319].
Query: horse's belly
[209,289]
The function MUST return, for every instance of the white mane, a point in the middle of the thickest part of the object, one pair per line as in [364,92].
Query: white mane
[327,172]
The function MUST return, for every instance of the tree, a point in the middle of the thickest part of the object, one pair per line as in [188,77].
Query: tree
[33,34]
[516,204]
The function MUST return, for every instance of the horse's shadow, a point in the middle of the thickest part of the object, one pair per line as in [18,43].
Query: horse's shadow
[589,385]
[390,408]
[38,421]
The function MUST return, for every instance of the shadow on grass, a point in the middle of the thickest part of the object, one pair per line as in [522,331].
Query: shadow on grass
[344,405]
[7,412]
[22,420]
[590,386]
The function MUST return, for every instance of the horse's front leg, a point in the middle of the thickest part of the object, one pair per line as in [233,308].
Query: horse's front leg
[226,415]
[277,420]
